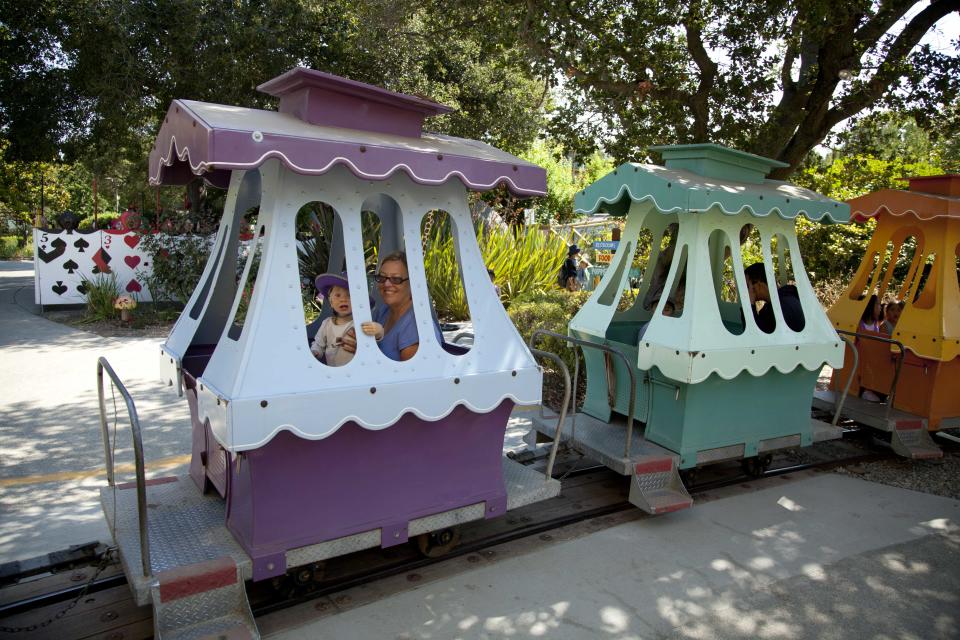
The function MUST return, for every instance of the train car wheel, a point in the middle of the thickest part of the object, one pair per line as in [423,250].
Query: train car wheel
[688,477]
[438,543]
[756,466]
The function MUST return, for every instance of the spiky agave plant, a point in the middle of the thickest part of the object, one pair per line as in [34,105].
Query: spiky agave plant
[523,260]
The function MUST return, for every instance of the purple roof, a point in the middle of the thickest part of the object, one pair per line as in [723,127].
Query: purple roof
[324,120]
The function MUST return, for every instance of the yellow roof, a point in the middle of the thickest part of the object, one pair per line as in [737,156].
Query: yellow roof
[914,254]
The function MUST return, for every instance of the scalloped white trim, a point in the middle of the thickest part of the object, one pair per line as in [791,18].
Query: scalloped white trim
[372,427]
[879,210]
[198,169]
[651,198]
[693,375]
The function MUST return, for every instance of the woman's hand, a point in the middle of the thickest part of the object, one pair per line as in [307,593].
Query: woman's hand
[374,329]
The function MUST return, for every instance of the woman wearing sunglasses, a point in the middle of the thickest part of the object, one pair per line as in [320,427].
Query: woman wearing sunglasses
[400,338]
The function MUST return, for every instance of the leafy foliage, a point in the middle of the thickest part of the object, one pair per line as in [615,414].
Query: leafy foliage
[763,76]
[563,180]
[12,249]
[102,290]
[524,260]
[178,263]
[550,309]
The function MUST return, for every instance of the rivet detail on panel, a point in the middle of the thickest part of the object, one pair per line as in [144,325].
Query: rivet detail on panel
[257,136]
[263,403]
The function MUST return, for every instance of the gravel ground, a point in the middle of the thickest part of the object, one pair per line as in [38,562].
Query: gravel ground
[939,477]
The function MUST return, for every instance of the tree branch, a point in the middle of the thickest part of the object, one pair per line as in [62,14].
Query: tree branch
[699,101]
[889,69]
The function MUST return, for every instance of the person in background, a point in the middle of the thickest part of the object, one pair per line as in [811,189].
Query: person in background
[493,279]
[892,308]
[759,291]
[582,275]
[568,272]
[872,315]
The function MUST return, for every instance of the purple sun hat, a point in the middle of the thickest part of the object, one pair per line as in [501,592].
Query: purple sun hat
[326,281]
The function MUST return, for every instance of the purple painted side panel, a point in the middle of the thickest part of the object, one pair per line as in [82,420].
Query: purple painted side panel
[294,492]
[316,106]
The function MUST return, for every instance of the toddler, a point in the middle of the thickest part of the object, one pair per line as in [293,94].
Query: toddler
[328,344]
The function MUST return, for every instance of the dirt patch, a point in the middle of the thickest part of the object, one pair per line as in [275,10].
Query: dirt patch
[149,324]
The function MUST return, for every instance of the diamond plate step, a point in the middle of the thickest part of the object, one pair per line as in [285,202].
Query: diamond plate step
[202,601]
[655,486]
[911,439]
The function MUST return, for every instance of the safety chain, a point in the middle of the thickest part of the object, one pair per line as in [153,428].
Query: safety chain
[104,561]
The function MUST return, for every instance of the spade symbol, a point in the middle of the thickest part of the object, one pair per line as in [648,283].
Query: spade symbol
[59,288]
[58,245]
[81,244]
[82,289]
[70,265]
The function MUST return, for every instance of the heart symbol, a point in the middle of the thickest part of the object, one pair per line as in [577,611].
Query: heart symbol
[132,240]
[132,261]
[133,286]
[59,288]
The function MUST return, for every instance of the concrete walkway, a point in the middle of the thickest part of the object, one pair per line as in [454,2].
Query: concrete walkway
[824,556]
[51,450]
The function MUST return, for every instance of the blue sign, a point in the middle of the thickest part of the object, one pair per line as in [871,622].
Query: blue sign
[606,245]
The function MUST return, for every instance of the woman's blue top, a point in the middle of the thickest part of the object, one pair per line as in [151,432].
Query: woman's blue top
[401,335]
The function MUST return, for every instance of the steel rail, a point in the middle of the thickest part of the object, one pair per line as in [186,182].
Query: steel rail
[608,349]
[103,364]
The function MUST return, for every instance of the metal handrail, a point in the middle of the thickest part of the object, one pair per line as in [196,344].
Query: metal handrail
[563,407]
[462,334]
[838,406]
[137,455]
[891,396]
[611,350]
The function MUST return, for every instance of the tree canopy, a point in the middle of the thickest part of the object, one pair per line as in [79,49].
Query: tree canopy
[91,80]
[767,76]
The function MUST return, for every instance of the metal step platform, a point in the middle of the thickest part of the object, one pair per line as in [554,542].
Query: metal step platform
[823,431]
[605,442]
[185,527]
[909,436]
[911,439]
[206,600]
[655,485]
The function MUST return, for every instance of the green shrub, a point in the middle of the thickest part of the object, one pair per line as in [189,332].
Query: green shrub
[550,309]
[104,220]
[102,291]
[178,263]
[10,249]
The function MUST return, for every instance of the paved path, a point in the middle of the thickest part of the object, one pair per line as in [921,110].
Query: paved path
[51,450]
[821,557]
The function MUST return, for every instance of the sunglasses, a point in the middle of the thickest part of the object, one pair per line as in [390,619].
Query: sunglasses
[397,280]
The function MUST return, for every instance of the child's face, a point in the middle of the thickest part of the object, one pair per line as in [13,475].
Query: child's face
[893,313]
[340,301]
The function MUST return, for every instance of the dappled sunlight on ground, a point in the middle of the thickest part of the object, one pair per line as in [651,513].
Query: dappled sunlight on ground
[781,565]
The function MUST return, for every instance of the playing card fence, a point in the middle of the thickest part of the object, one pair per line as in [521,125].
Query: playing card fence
[64,259]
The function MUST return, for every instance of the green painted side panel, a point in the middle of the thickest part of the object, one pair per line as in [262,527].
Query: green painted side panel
[687,418]
[745,410]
